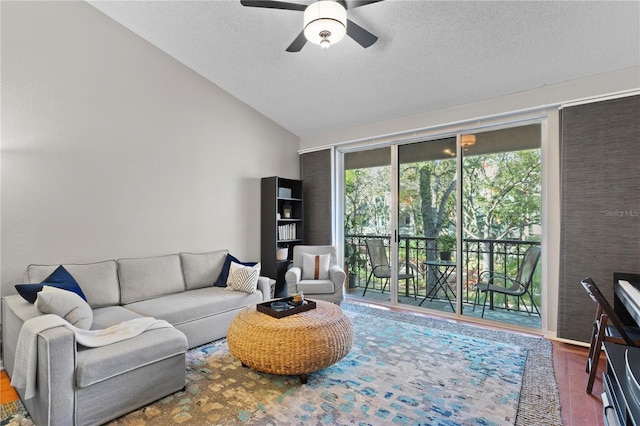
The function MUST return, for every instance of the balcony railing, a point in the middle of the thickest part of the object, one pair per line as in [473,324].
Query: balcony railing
[501,256]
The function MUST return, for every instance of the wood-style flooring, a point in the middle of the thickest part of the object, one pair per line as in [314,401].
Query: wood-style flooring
[578,407]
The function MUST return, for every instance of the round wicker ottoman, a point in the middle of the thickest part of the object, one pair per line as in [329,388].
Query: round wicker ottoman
[295,345]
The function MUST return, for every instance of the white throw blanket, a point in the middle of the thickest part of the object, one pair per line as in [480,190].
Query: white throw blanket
[26,360]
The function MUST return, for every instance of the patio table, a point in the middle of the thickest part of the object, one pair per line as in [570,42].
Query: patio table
[442,270]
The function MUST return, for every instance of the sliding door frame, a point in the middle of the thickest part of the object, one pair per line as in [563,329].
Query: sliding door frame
[550,207]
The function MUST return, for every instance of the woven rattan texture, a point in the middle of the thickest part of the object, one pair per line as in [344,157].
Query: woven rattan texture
[293,345]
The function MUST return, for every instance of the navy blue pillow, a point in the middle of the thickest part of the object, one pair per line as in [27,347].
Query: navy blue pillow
[60,278]
[224,274]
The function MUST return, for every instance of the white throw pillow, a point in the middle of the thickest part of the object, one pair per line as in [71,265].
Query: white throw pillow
[315,266]
[243,278]
[66,304]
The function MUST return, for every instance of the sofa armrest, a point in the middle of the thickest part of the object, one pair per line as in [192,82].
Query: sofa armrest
[264,285]
[54,402]
[292,278]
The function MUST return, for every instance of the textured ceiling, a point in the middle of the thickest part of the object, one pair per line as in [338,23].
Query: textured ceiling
[430,54]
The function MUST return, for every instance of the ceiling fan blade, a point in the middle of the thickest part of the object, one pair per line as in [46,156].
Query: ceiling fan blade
[363,37]
[271,4]
[298,43]
[352,4]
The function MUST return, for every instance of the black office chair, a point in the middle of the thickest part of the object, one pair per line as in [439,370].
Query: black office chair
[602,331]
[516,287]
[380,267]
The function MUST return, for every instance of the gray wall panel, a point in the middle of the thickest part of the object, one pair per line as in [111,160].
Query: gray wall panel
[316,176]
[600,162]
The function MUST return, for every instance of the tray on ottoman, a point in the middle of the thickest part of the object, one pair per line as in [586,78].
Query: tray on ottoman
[266,308]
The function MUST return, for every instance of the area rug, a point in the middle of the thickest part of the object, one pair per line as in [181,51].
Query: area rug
[403,369]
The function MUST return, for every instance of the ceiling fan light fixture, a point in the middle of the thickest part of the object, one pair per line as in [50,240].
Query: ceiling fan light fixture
[325,23]
[468,140]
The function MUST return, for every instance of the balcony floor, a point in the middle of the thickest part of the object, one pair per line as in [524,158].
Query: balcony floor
[521,319]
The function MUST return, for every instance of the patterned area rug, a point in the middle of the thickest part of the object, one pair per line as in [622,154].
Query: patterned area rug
[403,369]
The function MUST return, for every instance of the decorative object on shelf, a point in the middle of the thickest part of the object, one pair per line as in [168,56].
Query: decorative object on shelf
[284,192]
[282,252]
[286,211]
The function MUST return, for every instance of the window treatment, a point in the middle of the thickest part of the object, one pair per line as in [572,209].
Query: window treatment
[315,169]
[600,223]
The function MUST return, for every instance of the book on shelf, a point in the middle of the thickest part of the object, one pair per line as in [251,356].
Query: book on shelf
[287,232]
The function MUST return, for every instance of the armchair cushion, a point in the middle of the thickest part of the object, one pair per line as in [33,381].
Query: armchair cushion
[316,287]
[315,267]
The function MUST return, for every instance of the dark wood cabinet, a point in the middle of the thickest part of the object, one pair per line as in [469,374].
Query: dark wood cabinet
[621,397]
[620,403]
[282,227]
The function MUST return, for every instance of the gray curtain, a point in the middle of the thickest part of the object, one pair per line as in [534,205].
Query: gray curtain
[600,224]
[316,175]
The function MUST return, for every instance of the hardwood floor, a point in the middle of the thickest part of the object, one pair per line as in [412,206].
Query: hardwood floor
[7,393]
[578,407]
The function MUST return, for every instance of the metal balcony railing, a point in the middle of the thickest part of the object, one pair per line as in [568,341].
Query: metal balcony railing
[501,256]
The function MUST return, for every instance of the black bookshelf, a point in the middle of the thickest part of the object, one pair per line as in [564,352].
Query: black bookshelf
[282,225]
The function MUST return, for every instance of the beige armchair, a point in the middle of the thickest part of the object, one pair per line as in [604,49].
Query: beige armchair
[316,273]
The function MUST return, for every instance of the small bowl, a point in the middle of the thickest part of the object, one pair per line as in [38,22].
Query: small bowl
[279,306]
[294,303]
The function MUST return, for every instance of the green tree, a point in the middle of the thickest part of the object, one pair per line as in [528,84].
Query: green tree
[501,195]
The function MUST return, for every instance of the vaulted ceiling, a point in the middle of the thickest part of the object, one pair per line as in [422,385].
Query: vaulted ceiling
[430,54]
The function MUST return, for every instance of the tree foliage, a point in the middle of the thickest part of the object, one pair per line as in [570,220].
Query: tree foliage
[501,197]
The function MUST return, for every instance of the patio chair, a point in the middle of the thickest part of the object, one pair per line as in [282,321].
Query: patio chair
[380,267]
[602,331]
[515,287]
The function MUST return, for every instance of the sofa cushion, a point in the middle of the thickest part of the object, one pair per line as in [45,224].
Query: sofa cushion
[59,278]
[65,304]
[316,286]
[202,269]
[194,304]
[111,315]
[243,278]
[98,281]
[95,365]
[224,275]
[149,277]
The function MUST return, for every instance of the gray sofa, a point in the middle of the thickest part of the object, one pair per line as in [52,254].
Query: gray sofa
[89,386]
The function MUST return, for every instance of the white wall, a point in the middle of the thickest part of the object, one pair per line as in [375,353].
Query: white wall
[597,85]
[110,148]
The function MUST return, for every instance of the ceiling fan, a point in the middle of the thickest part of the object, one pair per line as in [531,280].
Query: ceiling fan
[325,21]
